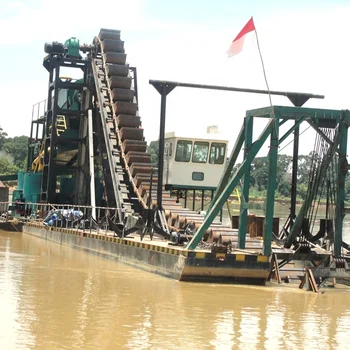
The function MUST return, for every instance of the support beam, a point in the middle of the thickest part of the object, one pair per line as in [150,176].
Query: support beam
[271,188]
[51,172]
[243,220]
[282,121]
[91,166]
[293,194]
[340,199]
[164,89]
[297,98]
[80,177]
[289,113]
[81,182]
[230,186]
[294,127]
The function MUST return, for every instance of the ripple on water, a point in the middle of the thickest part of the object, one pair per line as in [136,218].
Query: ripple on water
[55,297]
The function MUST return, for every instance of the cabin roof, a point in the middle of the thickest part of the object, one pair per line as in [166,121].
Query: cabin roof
[187,134]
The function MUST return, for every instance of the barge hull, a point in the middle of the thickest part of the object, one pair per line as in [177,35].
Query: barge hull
[174,263]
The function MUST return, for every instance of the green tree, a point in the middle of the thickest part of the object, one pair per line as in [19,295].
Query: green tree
[347,187]
[302,190]
[259,173]
[304,164]
[284,174]
[7,166]
[17,147]
[3,136]
[153,149]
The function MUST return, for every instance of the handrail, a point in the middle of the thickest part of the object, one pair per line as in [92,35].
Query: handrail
[40,213]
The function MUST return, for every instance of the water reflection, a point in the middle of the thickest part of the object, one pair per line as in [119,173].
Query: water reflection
[224,331]
[55,297]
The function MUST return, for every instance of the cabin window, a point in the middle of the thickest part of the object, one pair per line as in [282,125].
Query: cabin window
[200,152]
[217,153]
[183,151]
[197,176]
[62,100]
[168,149]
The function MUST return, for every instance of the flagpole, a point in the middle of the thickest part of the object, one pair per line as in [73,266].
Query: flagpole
[262,63]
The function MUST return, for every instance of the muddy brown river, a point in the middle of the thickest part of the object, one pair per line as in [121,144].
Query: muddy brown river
[57,297]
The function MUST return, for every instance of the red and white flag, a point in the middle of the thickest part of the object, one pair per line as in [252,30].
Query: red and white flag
[237,44]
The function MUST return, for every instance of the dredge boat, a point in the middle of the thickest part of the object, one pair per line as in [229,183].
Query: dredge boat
[88,154]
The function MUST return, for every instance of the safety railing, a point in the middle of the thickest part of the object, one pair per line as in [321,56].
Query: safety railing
[82,217]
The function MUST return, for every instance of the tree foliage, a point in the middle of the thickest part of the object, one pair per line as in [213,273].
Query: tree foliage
[153,149]
[260,172]
[7,166]
[18,148]
[13,153]
[259,175]
[3,136]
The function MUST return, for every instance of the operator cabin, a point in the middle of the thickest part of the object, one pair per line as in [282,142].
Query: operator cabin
[194,162]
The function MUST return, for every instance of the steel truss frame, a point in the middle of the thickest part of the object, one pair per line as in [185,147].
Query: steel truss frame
[277,116]
[53,64]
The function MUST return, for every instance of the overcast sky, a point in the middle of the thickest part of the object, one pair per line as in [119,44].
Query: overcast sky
[305,46]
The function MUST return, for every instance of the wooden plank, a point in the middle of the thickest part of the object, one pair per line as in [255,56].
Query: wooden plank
[312,281]
[303,281]
[277,272]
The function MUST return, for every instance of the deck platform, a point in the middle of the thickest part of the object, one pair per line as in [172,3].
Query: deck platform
[157,256]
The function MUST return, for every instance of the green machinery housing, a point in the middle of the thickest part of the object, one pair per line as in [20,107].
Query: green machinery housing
[58,142]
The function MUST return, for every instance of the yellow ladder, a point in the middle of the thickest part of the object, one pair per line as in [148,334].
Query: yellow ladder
[236,195]
[61,125]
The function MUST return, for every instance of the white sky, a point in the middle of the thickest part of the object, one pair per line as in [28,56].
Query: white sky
[304,50]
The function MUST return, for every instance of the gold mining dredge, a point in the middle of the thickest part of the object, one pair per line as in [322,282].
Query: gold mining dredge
[91,183]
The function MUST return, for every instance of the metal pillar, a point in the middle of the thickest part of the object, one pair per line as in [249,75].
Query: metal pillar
[81,181]
[294,174]
[91,166]
[342,170]
[49,162]
[243,219]
[271,187]
[295,128]
[161,147]
[164,90]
